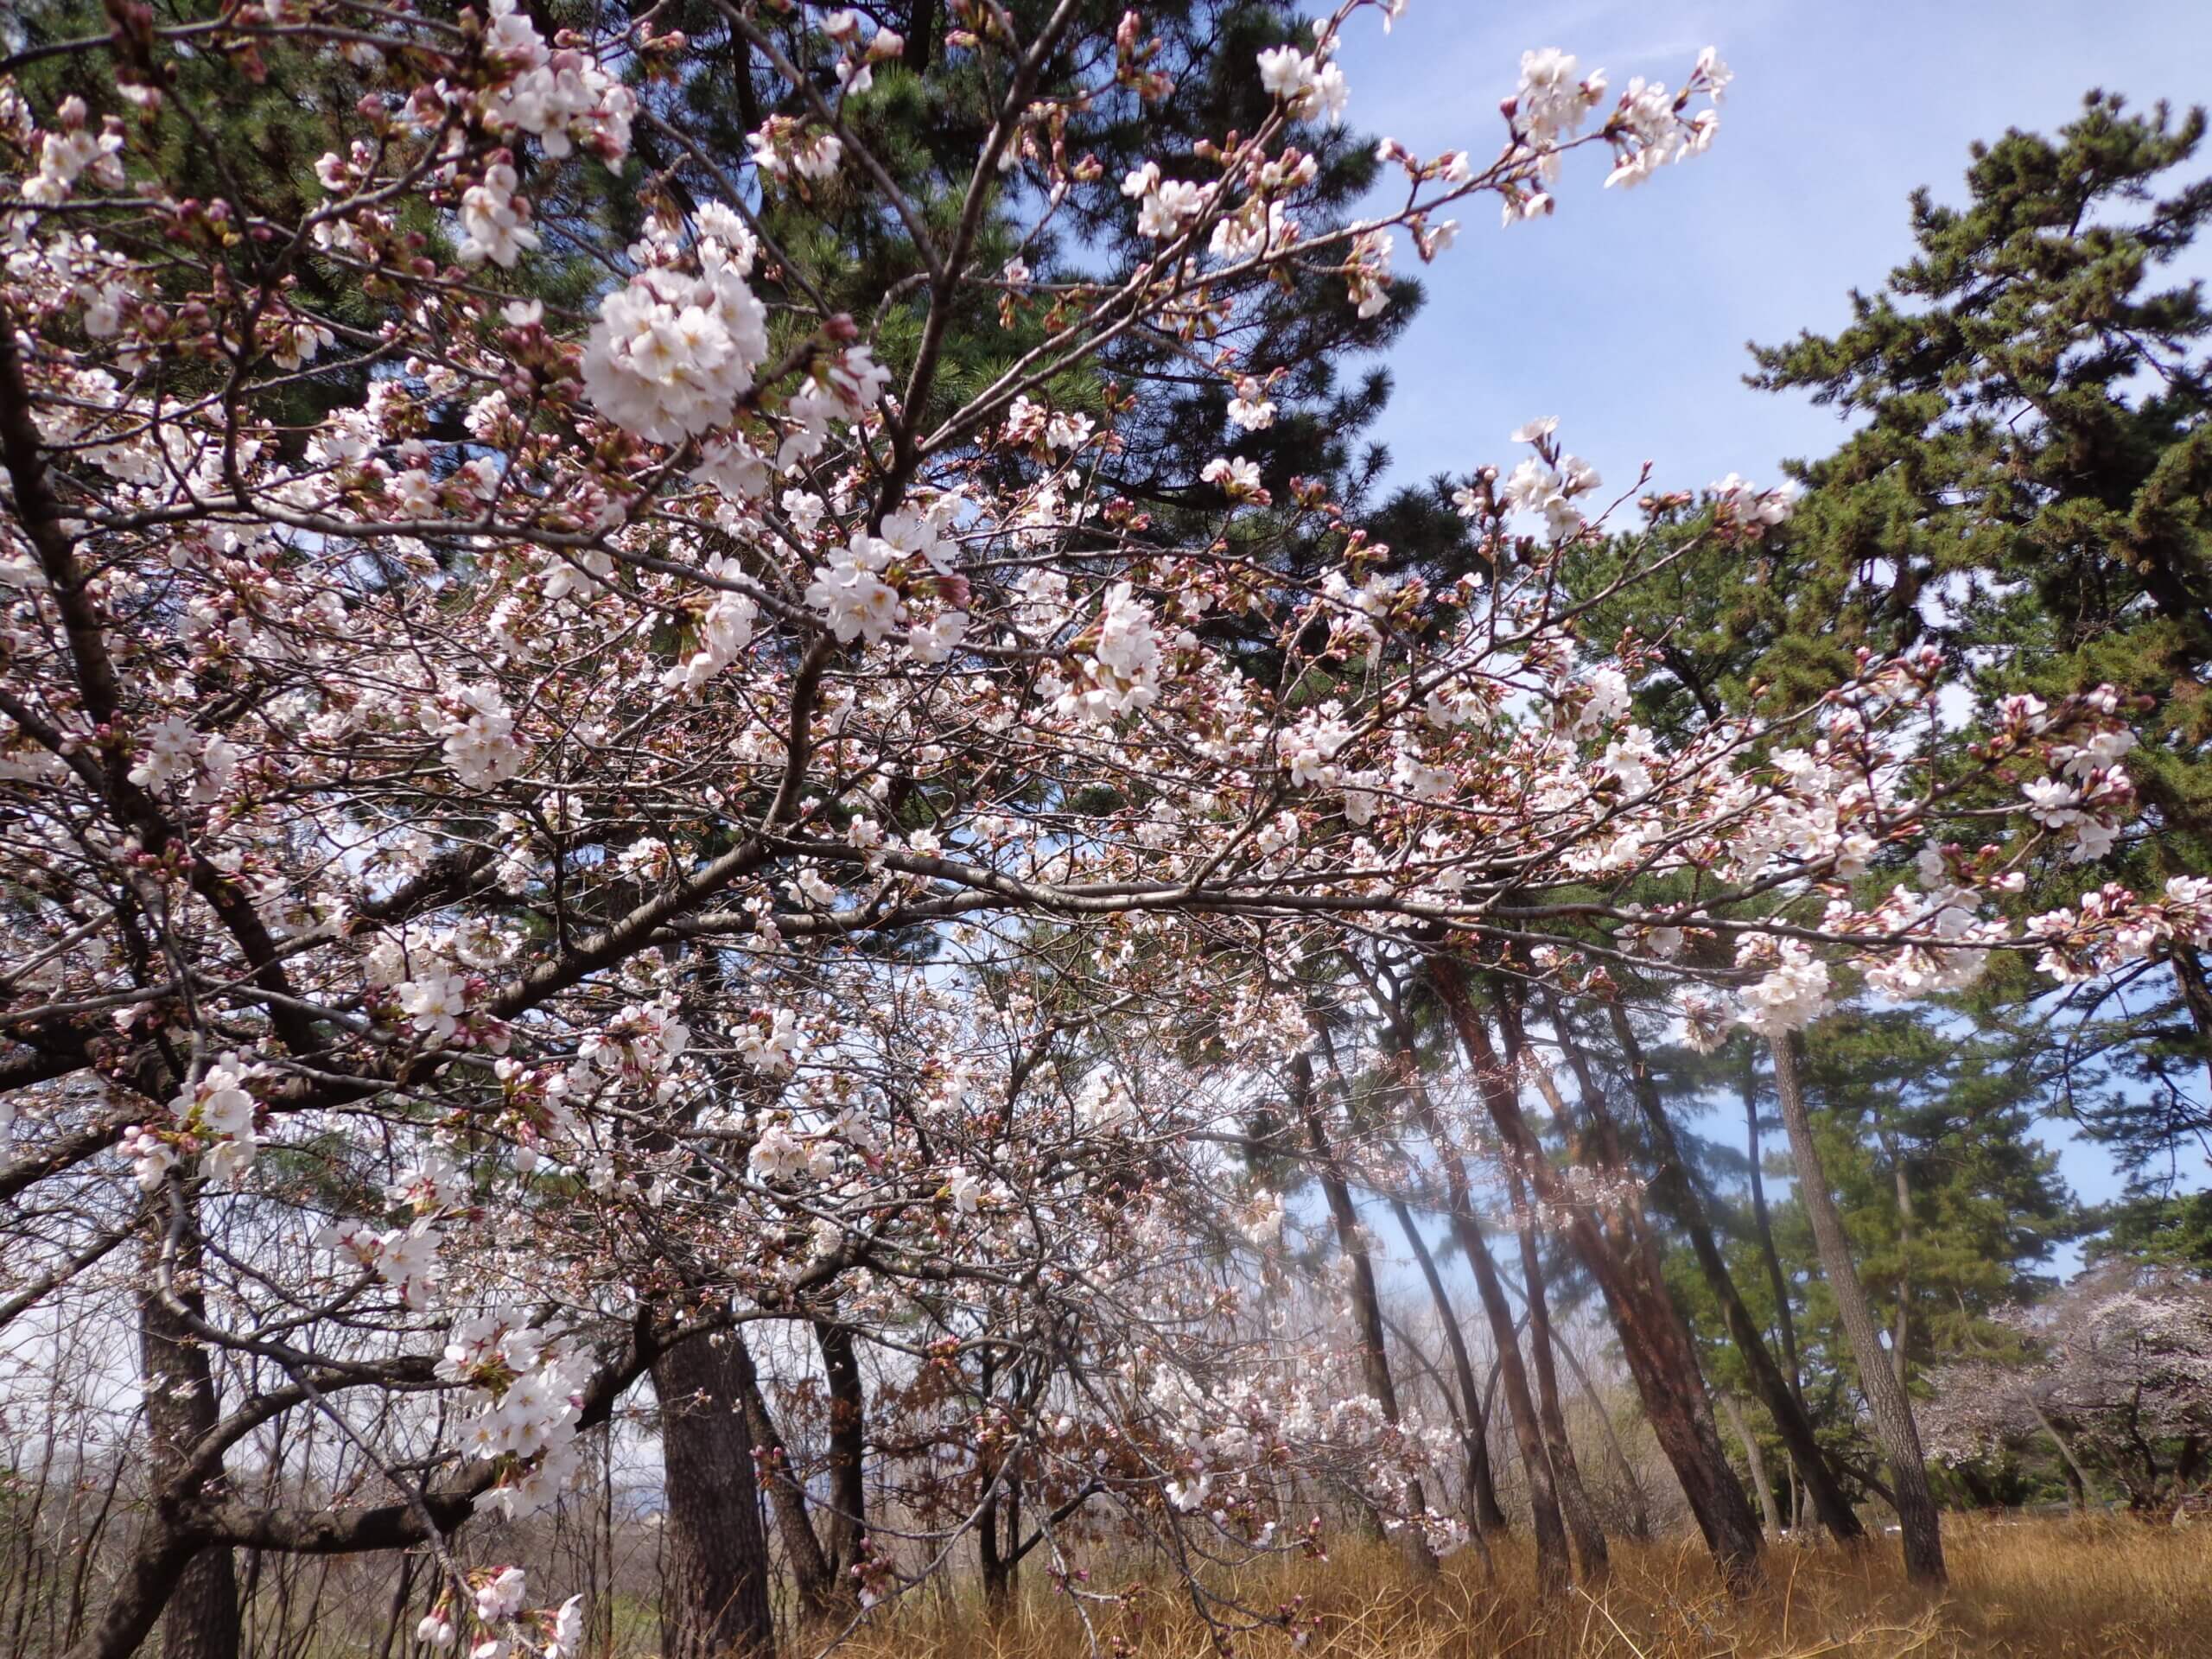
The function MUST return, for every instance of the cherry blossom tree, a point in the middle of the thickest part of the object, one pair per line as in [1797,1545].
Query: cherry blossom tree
[622,824]
[2117,1380]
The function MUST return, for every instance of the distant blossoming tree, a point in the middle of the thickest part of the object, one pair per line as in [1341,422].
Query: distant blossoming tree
[2117,1381]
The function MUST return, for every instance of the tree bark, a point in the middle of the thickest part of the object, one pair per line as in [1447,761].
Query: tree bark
[1483,1514]
[1581,1516]
[149,1580]
[1756,1459]
[1886,1400]
[187,1523]
[1409,1343]
[715,1593]
[1786,1321]
[921,29]
[1639,1506]
[845,1530]
[200,1617]
[1901,1328]
[1366,1305]
[2077,1478]
[1554,1573]
[1671,1183]
[1653,1340]
[997,1560]
[812,1572]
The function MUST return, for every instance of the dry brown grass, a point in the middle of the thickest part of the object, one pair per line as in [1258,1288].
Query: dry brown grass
[2031,1590]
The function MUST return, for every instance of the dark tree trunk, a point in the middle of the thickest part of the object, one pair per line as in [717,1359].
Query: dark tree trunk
[1886,1400]
[2197,997]
[997,1560]
[845,1529]
[2077,1482]
[150,1580]
[1366,1304]
[201,1619]
[184,1524]
[715,1592]
[815,1580]
[921,31]
[1581,1516]
[1546,1522]
[1978,1489]
[998,1530]
[1483,1514]
[1673,1187]
[1901,1328]
[1653,1341]
[2188,1461]
[1786,1321]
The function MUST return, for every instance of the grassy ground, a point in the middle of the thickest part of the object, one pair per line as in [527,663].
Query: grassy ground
[2030,1590]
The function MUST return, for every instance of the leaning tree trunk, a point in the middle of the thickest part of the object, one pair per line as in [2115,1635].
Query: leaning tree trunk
[1673,1186]
[1655,1343]
[998,1527]
[200,1620]
[1483,1512]
[1366,1304]
[1545,1522]
[2196,996]
[1574,1497]
[819,1591]
[1901,1329]
[1785,1322]
[1590,1552]
[1754,1459]
[1886,1400]
[1639,1507]
[2077,1478]
[714,1594]
[1554,1573]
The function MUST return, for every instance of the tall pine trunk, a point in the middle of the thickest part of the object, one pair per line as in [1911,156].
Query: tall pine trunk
[845,1529]
[1673,1184]
[1574,1497]
[1901,1328]
[1581,1516]
[1786,1321]
[715,1583]
[1653,1340]
[1554,1573]
[1886,1400]
[998,1530]
[1639,1508]
[1483,1514]
[1366,1304]
[1754,1460]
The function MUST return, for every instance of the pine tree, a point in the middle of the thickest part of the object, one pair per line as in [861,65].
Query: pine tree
[2029,492]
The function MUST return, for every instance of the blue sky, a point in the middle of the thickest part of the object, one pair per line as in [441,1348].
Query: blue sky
[1626,314]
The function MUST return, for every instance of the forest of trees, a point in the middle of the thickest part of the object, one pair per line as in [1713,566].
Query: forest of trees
[752,866]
